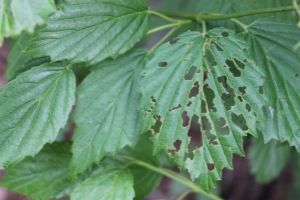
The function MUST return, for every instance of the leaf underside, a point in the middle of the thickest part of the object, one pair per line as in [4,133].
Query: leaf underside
[106,114]
[34,107]
[210,80]
[92,30]
[267,160]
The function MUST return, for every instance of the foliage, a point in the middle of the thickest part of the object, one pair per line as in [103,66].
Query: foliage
[226,70]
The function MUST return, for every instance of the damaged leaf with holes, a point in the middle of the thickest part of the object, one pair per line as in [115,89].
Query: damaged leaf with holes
[208,79]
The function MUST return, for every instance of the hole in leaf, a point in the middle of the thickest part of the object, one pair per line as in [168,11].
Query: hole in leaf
[248,107]
[191,73]
[223,81]
[185,119]
[240,98]
[195,90]
[177,146]
[233,68]
[195,133]
[155,129]
[163,64]
[175,108]
[203,107]
[240,121]
[210,166]
[153,99]
[189,104]
[209,94]
[225,34]
[228,99]
[242,90]
[205,124]
[239,63]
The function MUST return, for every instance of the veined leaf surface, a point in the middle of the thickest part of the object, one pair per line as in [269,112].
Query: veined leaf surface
[209,79]
[92,30]
[33,108]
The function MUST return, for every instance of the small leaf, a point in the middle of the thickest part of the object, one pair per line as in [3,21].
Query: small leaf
[108,182]
[19,15]
[43,176]
[92,30]
[34,107]
[271,44]
[19,60]
[145,180]
[106,115]
[267,160]
[210,80]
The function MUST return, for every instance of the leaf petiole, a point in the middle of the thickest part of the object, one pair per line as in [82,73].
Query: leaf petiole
[174,176]
[178,23]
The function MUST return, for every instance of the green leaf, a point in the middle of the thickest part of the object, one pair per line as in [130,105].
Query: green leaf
[267,160]
[108,182]
[19,15]
[19,60]
[43,176]
[33,108]
[145,180]
[272,48]
[106,115]
[92,30]
[208,79]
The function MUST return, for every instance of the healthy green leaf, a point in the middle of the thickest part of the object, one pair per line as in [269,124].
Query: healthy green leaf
[272,48]
[208,79]
[92,30]
[34,107]
[19,15]
[19,60]
[106,115]
[43,176]
[267,160]
[108,182]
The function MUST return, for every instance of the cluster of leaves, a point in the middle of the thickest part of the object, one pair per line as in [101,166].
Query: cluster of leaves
[228,78]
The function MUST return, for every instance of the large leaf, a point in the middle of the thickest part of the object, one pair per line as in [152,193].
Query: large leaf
[33,108]
[19,15]
[268,160]
[92,30]
[108,182]
[106,115]
[272,48]
[42,177]
[208,79]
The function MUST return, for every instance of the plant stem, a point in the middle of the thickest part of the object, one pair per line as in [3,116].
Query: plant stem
[219,16]
[162,40]
[158,14]
[183,195]
[238,22]
[174,176]
[167,26]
